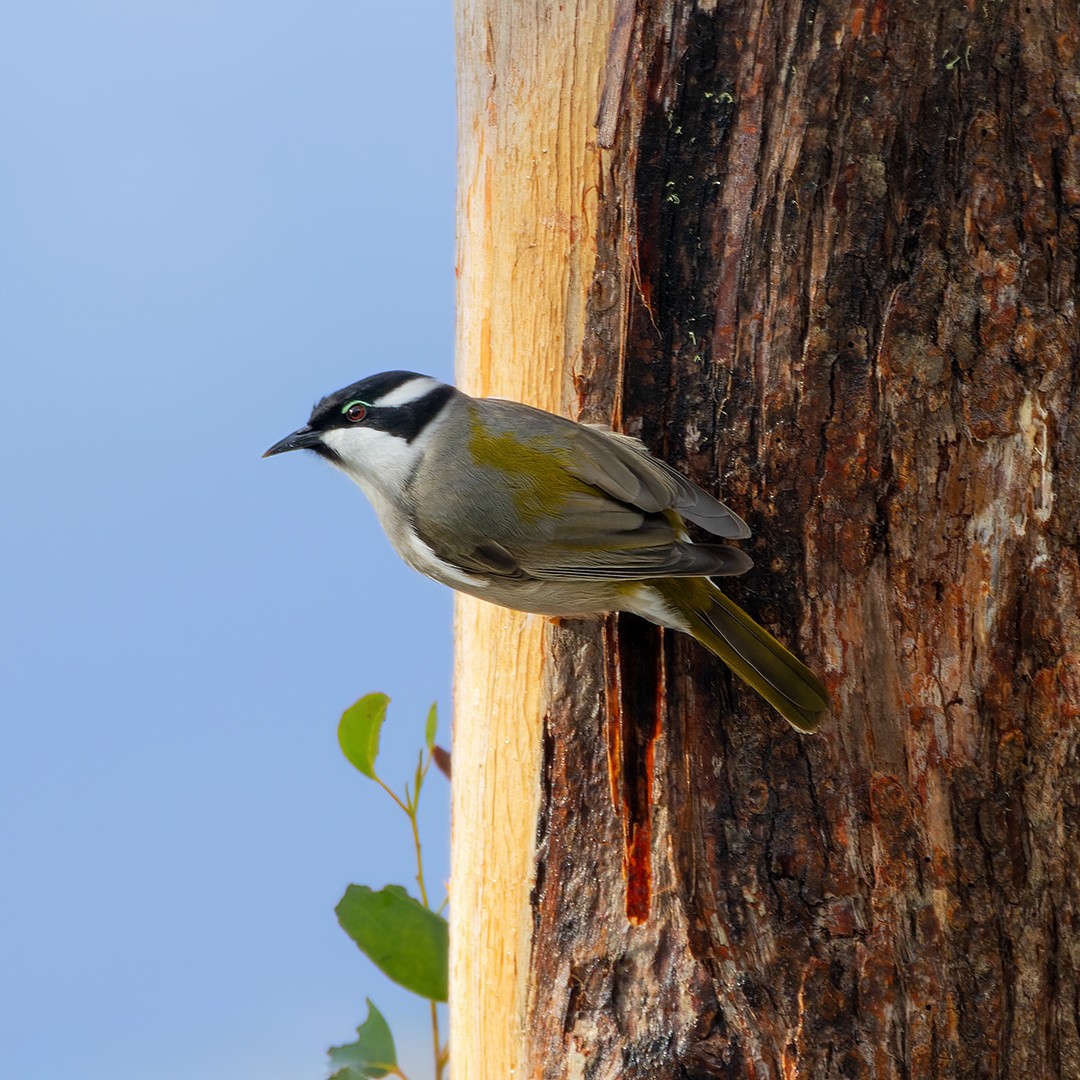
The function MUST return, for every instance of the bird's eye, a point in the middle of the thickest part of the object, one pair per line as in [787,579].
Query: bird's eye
[355,411]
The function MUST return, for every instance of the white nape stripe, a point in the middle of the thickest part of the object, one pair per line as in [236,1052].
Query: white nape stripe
[413,390]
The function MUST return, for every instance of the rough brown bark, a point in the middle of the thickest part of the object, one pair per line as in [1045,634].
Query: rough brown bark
[836,276]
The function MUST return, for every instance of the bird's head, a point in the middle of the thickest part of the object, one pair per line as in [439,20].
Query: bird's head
[372,429]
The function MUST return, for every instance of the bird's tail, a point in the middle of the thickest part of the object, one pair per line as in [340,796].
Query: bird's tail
[783,680]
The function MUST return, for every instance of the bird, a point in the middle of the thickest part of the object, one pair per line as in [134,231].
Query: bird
[539,513]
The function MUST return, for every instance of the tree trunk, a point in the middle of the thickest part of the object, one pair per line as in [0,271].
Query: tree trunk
[829,258]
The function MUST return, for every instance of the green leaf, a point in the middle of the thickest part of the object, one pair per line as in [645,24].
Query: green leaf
[358,732]
[372,1055]
[405,940]
[432,724]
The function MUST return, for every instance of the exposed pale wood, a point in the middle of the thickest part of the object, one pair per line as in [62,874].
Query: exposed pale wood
[528,172]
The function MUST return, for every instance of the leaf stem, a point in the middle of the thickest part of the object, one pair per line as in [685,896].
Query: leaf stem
[390,791]
[435,1040]
[419,855]
[411,807]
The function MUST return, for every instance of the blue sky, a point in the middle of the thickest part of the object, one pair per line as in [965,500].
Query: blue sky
[210,215]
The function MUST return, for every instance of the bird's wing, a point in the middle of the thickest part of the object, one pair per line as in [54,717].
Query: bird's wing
[592,537]
[550,499]
[621,466]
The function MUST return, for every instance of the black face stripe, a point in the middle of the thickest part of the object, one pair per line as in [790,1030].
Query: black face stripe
[407,421]
[404,421]
[327,413]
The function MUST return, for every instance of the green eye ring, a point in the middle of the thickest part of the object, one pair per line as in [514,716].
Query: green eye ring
[355,410]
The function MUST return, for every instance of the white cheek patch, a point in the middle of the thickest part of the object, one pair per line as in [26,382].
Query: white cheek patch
[413,390]
[371,456]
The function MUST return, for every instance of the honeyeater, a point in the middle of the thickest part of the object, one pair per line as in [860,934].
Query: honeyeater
[538,513]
